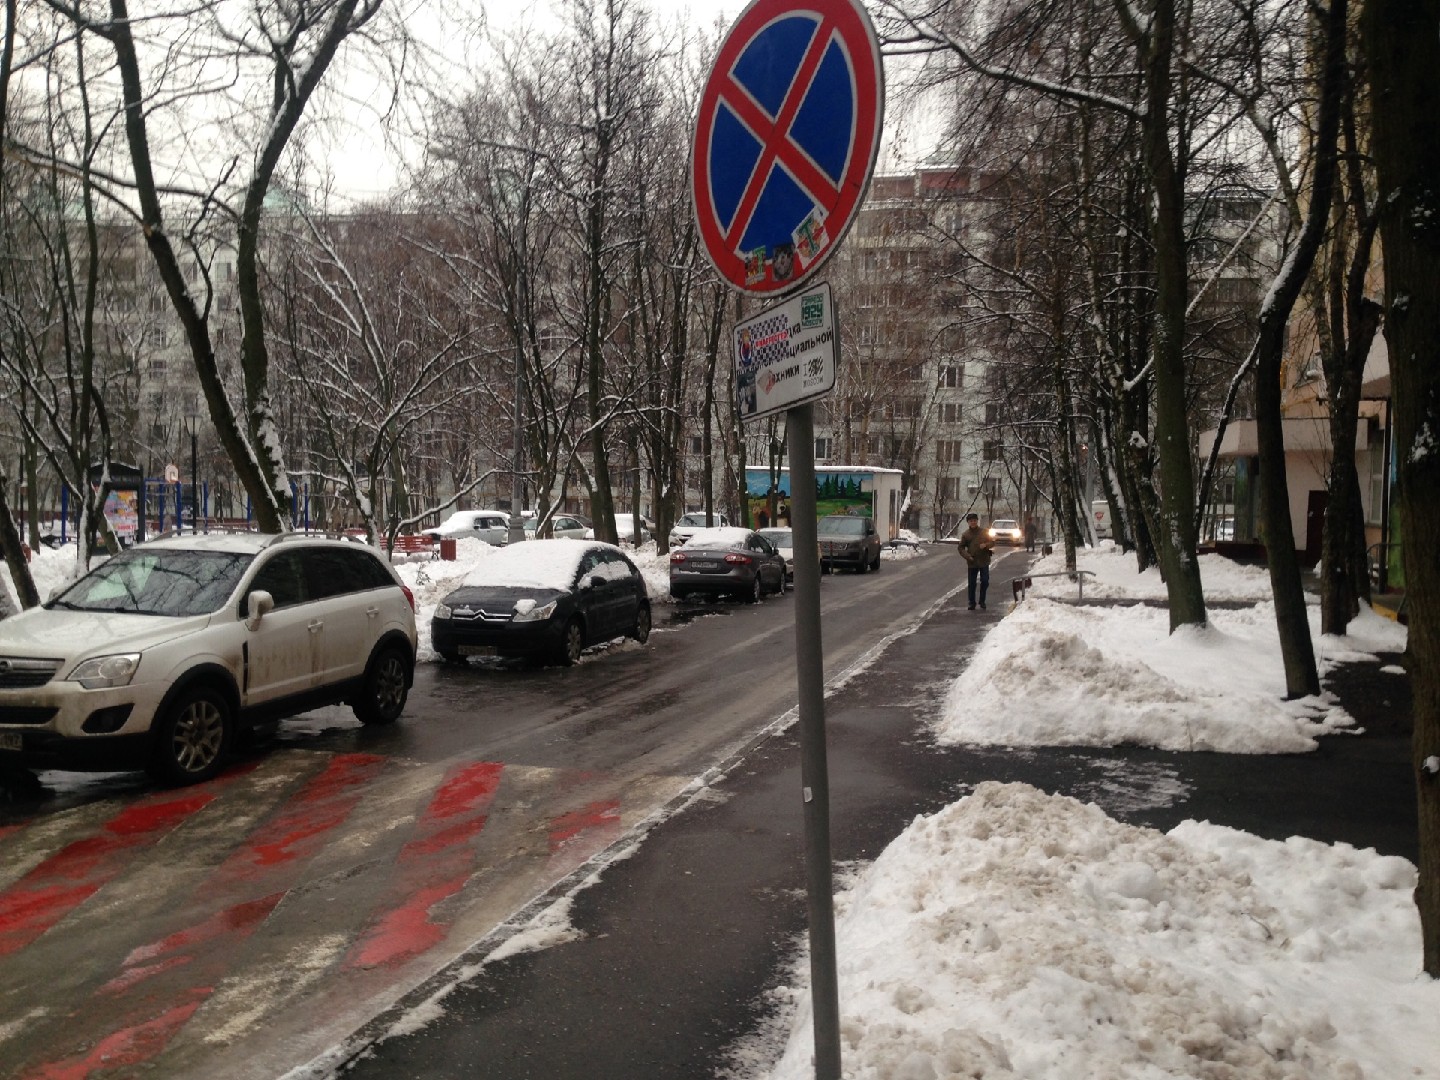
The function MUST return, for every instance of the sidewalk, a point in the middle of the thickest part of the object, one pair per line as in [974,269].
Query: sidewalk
[677,946]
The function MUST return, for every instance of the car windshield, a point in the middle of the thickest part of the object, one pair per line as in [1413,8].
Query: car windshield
[695,520]
[1003,523]
[843,526]
[170,581]
[778,537]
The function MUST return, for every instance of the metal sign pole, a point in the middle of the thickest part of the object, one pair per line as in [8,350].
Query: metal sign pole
[814,770]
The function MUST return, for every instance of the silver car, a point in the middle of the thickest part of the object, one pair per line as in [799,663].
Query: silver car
[492,526]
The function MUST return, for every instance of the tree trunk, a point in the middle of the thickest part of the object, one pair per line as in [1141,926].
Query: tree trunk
[1344,573]
[1175,532]
[14,552]
[1297,650]
[1402,40]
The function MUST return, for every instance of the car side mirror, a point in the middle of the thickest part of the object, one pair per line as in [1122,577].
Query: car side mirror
[257,604]
[596,581]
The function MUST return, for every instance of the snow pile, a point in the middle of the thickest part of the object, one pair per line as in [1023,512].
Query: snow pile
[1054,674]
[1115,576]
[1017,934]
[50,568]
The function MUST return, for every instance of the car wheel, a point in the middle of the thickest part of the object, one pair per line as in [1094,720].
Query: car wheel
[572,643]
[192,737]
[757,589]
[386,686]
[862,564]
[875,564]
[641,633]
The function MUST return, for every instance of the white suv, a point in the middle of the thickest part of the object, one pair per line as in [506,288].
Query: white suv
[492,526]
[160,656]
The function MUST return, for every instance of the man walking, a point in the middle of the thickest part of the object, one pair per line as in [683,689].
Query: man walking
[976,548]
[1031,529]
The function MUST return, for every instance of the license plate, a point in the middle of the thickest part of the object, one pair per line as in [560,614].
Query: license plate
[11,740]
[477,650]
[704,564]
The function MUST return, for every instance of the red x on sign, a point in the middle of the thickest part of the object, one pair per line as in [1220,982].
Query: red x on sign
[786,139]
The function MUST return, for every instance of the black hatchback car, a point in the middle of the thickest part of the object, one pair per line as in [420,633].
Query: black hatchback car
[546,600]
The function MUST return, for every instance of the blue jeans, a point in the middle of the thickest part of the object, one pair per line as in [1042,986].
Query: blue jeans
[982,573]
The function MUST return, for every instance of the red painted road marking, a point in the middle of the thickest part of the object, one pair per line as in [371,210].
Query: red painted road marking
[127,1047]
[604,816]
[223,930]
[297,832]
[436,864]
[77,871]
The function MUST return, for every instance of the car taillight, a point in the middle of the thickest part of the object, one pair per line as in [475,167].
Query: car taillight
[737,559]
[677,558]
[408,595]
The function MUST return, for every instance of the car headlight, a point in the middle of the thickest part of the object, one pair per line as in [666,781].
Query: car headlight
[106,671]
[442,611]
[526,611]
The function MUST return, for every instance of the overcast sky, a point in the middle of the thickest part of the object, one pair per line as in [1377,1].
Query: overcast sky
[365,166]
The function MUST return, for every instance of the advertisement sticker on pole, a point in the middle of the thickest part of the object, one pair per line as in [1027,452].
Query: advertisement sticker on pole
[786,355]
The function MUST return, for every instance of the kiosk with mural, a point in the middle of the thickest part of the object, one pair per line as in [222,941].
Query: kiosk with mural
[839,489]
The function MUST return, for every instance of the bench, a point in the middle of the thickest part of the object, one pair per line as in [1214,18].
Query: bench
[413,544]
[1020,584]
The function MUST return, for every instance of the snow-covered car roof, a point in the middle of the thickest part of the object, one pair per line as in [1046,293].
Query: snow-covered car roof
[535,565]
[723,536]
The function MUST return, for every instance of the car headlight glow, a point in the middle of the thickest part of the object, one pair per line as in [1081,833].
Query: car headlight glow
[526,611]
[106,671]
[442,611]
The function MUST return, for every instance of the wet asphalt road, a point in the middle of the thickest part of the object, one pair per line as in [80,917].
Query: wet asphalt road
[679,944]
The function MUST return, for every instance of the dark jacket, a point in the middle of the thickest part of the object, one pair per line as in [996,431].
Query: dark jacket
[976,546]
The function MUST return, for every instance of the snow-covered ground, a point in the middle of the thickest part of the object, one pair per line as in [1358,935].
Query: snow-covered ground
[1016,934]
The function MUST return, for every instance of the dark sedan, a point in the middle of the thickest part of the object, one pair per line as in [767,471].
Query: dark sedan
[546,600]
[728,561]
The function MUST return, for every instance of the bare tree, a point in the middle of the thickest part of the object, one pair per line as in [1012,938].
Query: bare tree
[1402,48]
[385,359]
[212,58]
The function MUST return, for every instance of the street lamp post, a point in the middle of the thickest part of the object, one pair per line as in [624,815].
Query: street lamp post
[194,473]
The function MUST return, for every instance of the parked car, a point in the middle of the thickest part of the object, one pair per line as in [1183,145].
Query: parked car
[625,529]
[546,600]
[728,561]
[691,523]
[783,541]
[563,526]
[847,540]
[492,526]
[1006,531]
[162,656]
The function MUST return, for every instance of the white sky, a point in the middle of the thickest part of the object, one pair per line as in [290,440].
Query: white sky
[1016,934]
[366,162]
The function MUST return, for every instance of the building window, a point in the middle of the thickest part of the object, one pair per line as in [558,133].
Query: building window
[947,451]
[824,448]
[992,413]
[950,412]
[991,450]
[950,488]
[697,445]
[952,376]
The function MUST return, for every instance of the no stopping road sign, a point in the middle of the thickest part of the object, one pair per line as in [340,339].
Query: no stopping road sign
[786,139]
